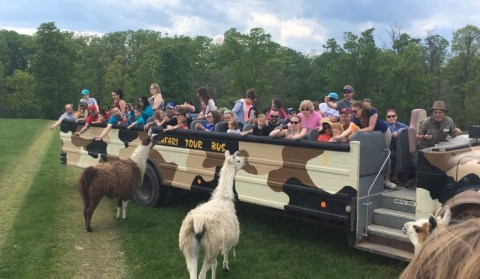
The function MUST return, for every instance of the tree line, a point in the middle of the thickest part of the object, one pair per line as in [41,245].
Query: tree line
[42,72]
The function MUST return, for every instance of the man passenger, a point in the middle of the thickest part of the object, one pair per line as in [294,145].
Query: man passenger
[437,127]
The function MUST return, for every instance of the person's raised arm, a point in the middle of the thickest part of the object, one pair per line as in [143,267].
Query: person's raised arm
[372,120]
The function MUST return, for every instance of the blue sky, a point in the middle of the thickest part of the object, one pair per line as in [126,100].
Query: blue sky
[302,25]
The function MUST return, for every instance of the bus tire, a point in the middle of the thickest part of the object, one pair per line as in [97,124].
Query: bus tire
[151,193]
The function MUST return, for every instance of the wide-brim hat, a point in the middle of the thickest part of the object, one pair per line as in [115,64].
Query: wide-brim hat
[324,122]
[439,105]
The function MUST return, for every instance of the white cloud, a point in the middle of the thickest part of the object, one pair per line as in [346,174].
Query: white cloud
[20,30]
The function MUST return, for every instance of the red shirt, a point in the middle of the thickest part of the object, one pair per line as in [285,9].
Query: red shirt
[324,137]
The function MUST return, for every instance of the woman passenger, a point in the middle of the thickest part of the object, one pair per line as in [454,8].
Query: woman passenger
[310,118]
[156,100]
[294,130]
[367,120]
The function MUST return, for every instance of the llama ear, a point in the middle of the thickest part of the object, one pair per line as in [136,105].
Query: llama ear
[227,153]
[432,222]
[150,131]
[235,154]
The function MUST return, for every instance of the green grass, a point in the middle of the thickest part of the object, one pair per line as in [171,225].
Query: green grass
[47,238]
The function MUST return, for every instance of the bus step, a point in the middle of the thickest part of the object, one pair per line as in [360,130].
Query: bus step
[387,247]
[387,232]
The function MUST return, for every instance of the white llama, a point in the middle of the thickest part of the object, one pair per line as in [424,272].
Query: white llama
[418,231]
[214,224]
[117,179]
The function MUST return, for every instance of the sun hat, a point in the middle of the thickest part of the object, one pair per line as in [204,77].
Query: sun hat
[333,95]
[85,92]
[325,123]
[439,105]
[170,105]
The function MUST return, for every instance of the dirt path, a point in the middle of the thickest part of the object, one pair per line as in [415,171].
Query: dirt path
[79,254]
[18,178]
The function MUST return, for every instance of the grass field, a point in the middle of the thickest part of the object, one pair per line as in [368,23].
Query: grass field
[42,232]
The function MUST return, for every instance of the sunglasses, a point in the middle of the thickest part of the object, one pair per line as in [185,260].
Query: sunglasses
[274,116]
[305,109]
[347,91]
[390,116]
[209,116]
[294,122]
[177,114]
[354,111]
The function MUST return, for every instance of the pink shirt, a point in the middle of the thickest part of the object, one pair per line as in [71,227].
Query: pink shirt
[312,122]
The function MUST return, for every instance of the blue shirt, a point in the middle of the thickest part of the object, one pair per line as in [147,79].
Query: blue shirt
[394,128]
[147,113]
[113,119]
[208,126]
[139,120]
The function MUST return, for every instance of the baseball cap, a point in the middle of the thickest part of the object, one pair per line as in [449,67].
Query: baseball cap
[345,110]
[333,95]
[348,89]
[85,92]
[290,110]
[170,105]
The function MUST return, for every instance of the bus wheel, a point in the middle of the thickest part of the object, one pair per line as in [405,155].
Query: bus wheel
[148,193]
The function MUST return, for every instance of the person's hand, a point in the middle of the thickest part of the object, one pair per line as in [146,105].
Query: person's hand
[197,126]
[52,126]
[457,131]
[427,136]
[146,126]
[77,134]
[98,138]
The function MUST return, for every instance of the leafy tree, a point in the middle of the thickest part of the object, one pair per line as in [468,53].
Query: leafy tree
[53,69]
[464,74]
[21,99]
[435,50]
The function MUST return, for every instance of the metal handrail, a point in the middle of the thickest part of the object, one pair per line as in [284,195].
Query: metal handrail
[371,186]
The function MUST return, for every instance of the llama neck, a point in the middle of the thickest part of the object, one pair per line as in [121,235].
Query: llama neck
[224,189]
[140,155]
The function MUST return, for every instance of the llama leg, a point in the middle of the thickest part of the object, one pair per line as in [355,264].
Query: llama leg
[225,260]
[209,261]
[119,207]
[191,257]
[86,203]
[124,207]
[89,212]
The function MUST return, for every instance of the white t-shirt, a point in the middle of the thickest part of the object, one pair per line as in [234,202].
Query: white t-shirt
[328,112]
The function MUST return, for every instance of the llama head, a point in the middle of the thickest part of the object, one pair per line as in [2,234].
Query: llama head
[237,161]
[418,231]
[152,138]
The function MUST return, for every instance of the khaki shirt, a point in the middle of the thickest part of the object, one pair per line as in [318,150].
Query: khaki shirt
[438,130]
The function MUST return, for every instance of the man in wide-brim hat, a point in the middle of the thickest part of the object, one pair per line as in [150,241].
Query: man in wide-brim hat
[437,127]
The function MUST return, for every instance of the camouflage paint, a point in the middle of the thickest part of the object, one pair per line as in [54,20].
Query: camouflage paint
[190,162]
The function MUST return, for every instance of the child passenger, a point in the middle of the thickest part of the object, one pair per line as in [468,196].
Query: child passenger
[138,118]
[325,130]
[233,127]
[259,124]
[337,129]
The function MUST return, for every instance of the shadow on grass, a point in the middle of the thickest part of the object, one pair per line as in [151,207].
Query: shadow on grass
[272,245]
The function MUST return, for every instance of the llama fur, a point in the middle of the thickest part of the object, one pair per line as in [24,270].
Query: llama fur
[118,179]
[213,225]
[419,230]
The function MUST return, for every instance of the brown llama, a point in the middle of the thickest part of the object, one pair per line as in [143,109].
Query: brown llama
[118,179]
